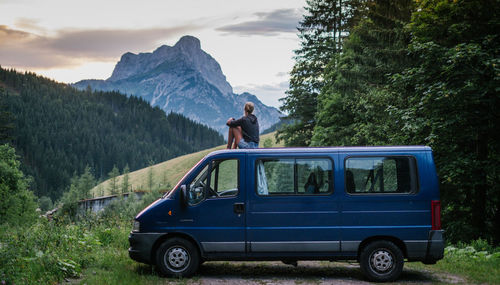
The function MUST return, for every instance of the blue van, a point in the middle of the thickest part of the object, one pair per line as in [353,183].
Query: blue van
[377,205]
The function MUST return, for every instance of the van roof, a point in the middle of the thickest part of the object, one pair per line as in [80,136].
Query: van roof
[327,149]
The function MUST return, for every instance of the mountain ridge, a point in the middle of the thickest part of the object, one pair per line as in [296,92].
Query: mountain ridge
[183,79]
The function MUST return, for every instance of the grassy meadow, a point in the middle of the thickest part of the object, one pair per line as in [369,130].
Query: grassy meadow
[166,174]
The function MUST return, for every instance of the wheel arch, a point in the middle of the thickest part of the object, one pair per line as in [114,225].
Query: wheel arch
[168,236]
[398,242]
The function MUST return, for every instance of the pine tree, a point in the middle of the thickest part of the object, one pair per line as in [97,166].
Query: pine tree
[6,124]
[125,182]
[321,32]
[353,105]
[150,178]
[113,180]
[86,183]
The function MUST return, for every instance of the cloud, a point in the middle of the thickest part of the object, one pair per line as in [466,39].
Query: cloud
[72,47]
[6,33]
[267,24]
[29,24]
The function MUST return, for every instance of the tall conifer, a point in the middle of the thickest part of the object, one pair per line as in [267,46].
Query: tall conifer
[113,182]
[353,105]
[321,31]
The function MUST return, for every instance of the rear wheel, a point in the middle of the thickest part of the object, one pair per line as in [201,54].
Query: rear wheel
[381,261]
[177,257]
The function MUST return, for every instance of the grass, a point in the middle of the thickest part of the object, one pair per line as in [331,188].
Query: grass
[477,266]
[113,266]
[169,172]
[119,269]
[94,251]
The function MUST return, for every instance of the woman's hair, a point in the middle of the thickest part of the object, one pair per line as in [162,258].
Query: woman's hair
[249,107]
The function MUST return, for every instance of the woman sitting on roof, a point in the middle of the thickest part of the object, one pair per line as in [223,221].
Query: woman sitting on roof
[245,130]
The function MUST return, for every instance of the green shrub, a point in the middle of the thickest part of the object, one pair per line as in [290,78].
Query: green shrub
[478,250]
[45,203]
[478,261]
[17,202]
[48,251]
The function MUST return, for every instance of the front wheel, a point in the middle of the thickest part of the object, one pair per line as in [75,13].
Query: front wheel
[381,261]
[177,257]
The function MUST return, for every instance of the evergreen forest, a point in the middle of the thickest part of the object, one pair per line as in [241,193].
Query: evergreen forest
[59,132]
[404,72]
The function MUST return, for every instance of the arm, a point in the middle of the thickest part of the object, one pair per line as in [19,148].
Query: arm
[234,123]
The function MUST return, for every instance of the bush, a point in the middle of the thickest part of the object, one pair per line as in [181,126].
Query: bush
[49,251]
[44,252]
[478,250]
[17,203]
[478,261]
[45,203]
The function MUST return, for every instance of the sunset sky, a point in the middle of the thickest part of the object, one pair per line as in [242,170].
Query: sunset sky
[68,41]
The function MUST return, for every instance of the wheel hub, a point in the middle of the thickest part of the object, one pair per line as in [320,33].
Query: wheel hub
[177,258]
[382,261]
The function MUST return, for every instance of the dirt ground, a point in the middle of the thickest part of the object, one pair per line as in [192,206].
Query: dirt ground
[307,272]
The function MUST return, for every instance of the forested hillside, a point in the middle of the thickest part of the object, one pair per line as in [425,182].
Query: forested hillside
[392,72]
[58,131]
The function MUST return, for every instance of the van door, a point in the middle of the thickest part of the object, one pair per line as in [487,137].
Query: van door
[215,214]
[291,207]
[383,198]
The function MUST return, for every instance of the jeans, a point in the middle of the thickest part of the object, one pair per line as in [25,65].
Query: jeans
[244,144]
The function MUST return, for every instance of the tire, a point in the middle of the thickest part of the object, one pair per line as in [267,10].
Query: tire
[177,257]
[381,261]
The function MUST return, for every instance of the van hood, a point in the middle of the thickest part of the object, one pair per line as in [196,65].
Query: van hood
[147,208]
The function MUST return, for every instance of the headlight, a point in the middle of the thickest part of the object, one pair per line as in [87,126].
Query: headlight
[136,226]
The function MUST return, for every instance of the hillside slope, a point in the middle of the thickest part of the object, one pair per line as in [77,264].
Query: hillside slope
[166,174]
[58,131]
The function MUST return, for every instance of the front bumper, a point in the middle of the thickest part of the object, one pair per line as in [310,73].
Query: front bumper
[141,246]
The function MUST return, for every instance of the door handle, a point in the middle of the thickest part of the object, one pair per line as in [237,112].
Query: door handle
[239,208]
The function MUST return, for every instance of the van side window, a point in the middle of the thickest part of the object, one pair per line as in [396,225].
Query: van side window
[392,174]
[288,176]
[224,178]
[222,181]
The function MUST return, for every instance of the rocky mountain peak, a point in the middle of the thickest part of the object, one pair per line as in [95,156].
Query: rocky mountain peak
[183,79]
[127,56]
[186,51]
[189,43]
[162,51]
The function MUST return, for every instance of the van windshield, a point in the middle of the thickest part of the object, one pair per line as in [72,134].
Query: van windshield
[177,186]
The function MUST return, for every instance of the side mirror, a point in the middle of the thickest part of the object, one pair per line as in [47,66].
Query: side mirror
[184,195]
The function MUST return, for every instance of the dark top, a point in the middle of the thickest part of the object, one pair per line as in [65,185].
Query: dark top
[249,127]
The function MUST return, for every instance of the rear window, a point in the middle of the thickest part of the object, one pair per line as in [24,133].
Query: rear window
[294,176]
[376,175]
